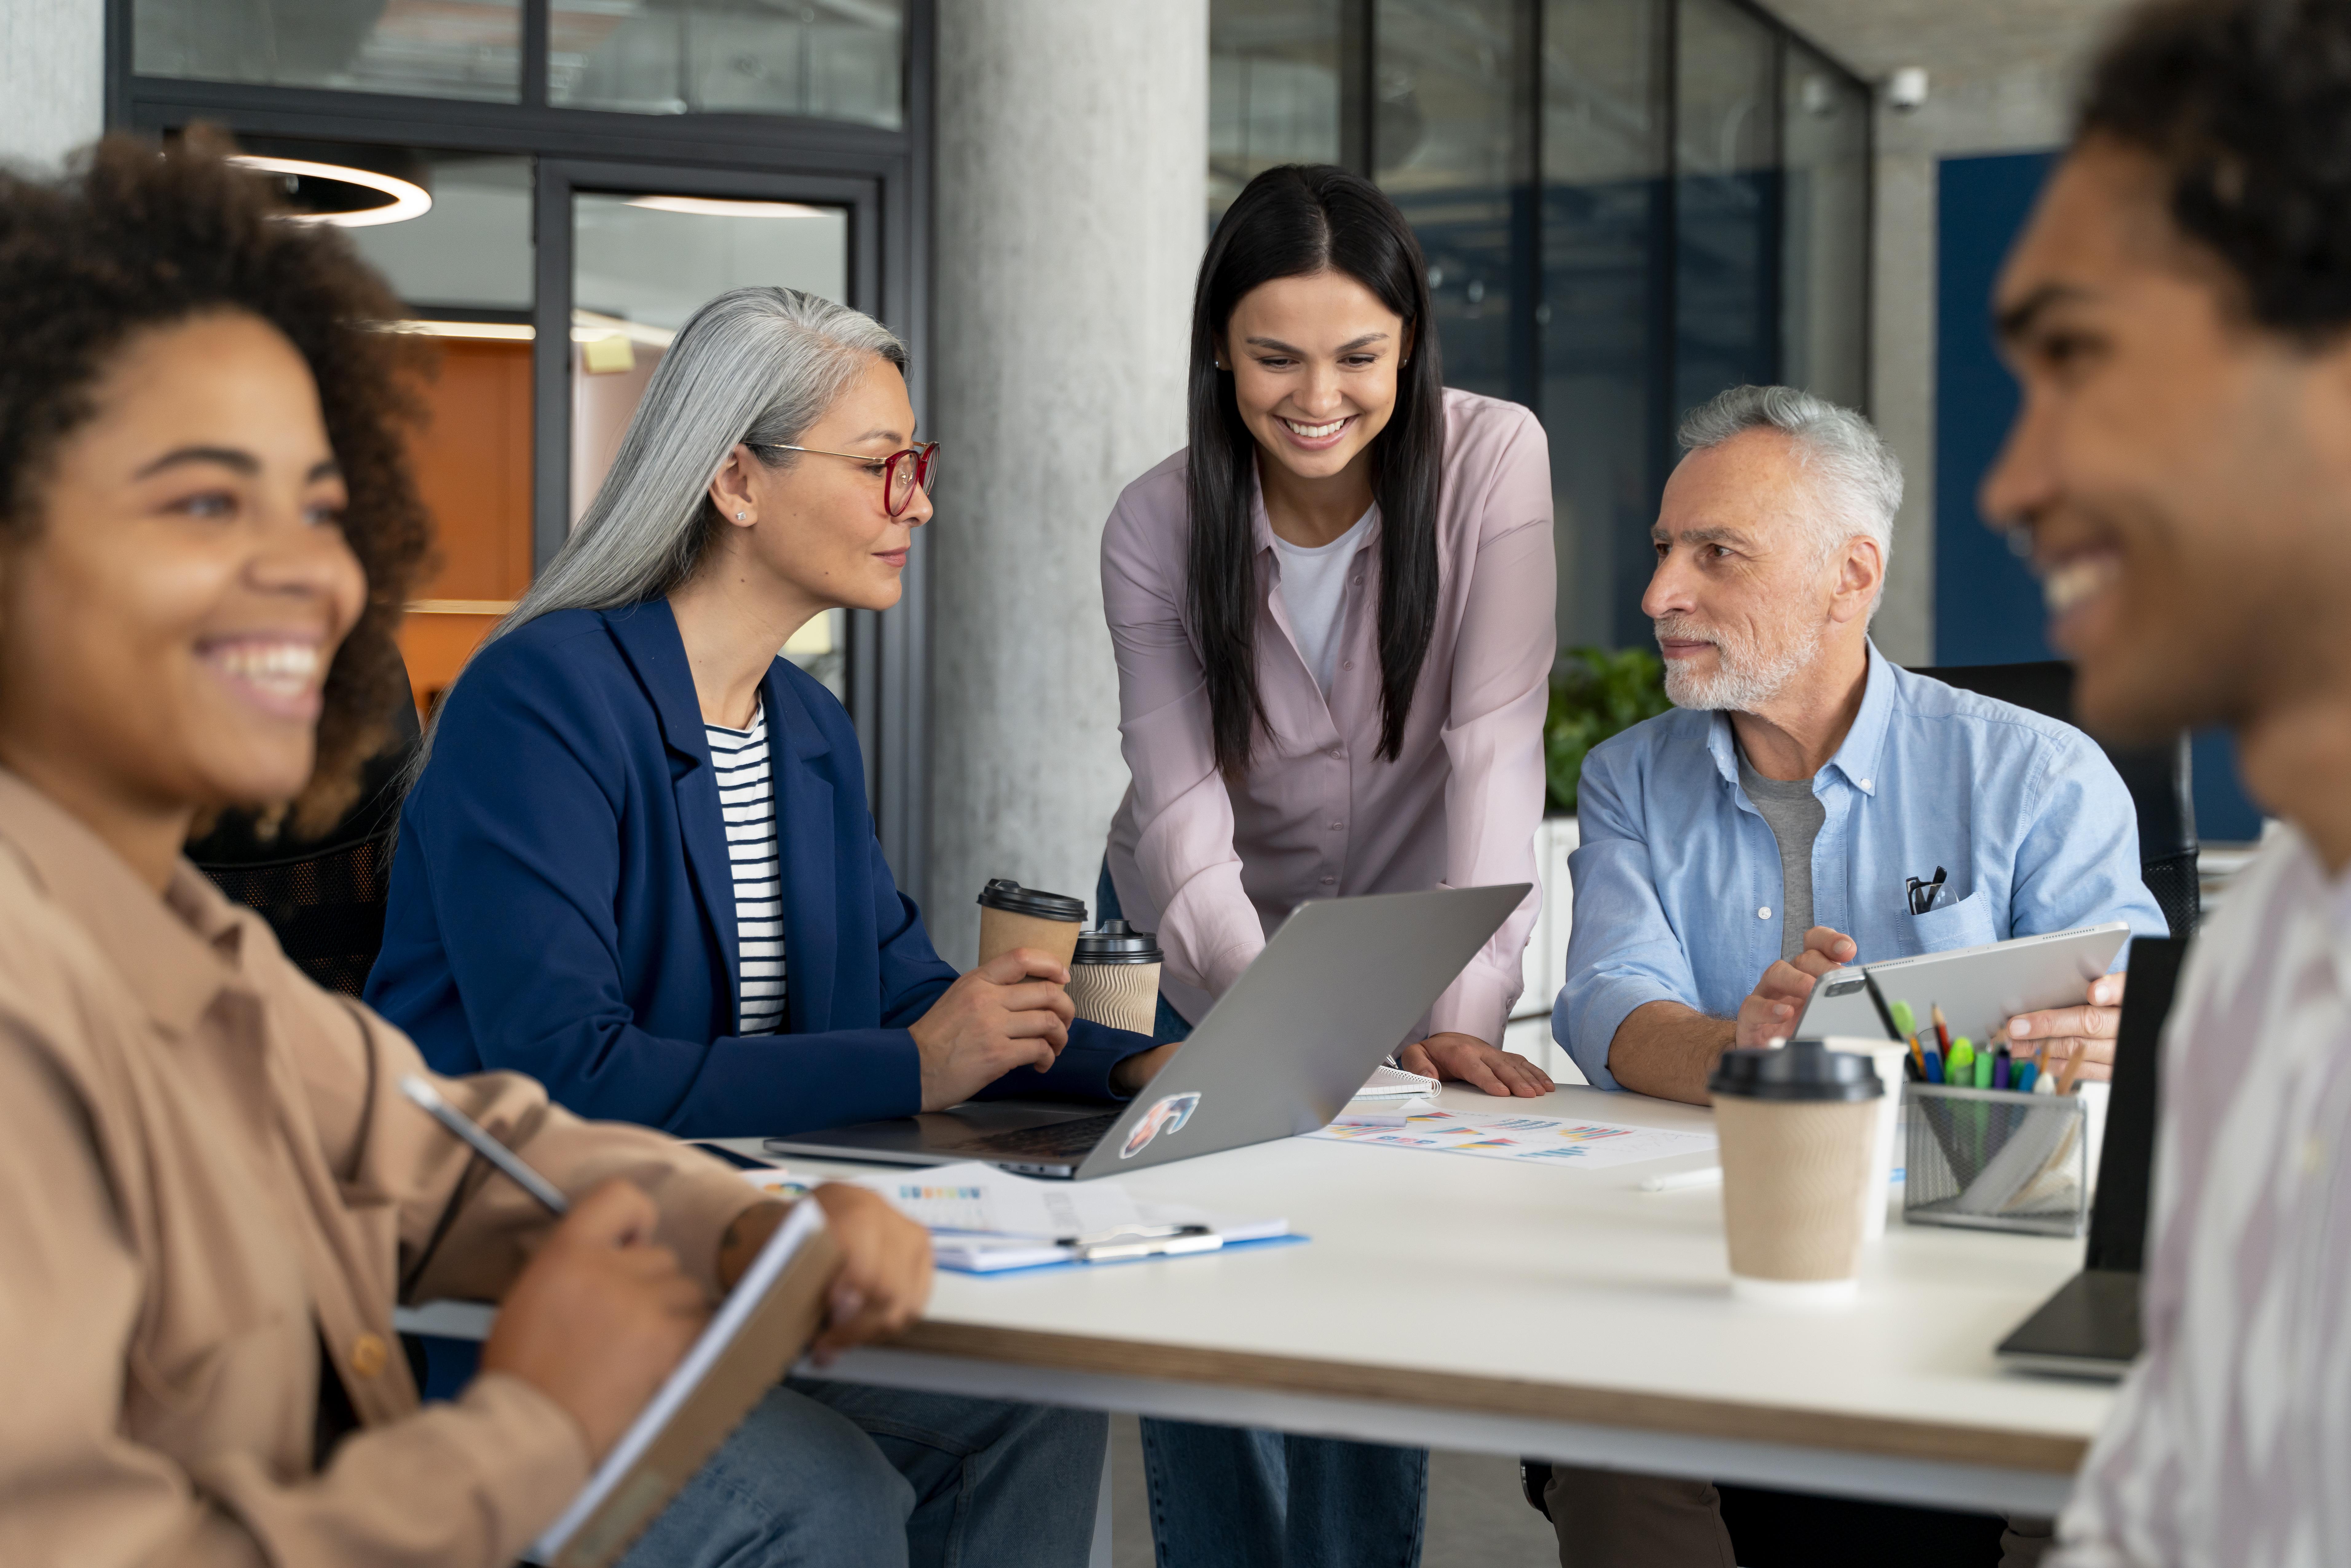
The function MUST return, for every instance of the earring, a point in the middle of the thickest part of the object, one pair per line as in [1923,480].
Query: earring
[740,516]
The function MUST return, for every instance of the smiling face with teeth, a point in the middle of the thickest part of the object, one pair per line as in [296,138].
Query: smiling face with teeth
[1314,361]
[168,618]
[2183,474]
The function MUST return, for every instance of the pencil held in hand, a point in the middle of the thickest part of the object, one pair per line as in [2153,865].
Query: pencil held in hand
[427,1099]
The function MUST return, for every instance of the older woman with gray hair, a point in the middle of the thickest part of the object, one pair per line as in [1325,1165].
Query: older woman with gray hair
[637,865]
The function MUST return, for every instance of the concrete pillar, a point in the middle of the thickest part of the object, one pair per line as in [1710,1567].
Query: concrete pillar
[1902,387]
[52,78]
[1070,212]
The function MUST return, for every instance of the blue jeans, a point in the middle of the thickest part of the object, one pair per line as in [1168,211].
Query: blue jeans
[845,1476]
[1225,1496]
[1233,1496]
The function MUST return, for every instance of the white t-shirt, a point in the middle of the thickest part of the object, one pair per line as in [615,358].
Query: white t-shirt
[1314,591]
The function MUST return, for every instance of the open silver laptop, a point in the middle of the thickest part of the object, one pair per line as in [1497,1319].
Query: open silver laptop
[1341,986]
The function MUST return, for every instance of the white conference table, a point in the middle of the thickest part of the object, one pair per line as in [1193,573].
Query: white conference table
[1472,1304]
[1466,1303]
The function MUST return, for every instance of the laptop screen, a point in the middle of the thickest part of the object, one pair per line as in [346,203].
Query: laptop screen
[2127,1165]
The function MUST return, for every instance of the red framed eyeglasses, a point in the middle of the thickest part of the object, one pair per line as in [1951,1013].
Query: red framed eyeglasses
[902,472]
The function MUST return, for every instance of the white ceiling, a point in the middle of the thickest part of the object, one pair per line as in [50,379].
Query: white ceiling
[2001,73]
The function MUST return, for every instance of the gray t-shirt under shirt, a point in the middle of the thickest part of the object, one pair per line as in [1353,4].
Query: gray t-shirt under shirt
[1795,814]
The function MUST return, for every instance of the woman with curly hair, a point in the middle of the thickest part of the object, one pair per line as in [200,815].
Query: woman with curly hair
[209,1191]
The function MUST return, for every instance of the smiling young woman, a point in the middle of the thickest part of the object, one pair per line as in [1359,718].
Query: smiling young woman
[211,1192]
[1333,617]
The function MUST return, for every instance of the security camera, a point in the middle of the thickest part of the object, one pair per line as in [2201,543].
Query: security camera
[1906,90]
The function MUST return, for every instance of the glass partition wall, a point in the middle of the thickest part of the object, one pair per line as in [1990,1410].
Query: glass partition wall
[1627,206]
[552,186]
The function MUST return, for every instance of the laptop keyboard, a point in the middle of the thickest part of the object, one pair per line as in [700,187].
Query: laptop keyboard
[1073,1139]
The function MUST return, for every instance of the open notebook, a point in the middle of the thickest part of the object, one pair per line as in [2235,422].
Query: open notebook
[760,1330]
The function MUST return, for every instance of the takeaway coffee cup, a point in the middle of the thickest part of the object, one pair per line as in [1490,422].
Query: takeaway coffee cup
[1799,1127]
[1012,916]
[1114,979]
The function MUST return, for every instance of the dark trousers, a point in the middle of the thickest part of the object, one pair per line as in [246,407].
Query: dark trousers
[1613,1518]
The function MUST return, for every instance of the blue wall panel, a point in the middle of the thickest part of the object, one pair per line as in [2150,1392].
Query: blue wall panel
[1986,606]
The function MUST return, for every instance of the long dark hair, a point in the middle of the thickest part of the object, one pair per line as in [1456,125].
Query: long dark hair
[1288,222]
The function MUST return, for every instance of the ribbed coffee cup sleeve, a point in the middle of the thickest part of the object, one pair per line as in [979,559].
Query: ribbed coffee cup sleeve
[1122,996]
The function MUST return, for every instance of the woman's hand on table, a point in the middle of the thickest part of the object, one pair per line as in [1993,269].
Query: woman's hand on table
[885,1271]
[1466,1058]
[1012,1011]
[884,1279]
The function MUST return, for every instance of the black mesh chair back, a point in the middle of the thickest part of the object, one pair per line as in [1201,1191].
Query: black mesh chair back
[2160,778]
[327,908]
[324,897]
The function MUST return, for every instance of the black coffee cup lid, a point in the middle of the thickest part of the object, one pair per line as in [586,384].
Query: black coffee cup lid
[1003,893]
[1118,943]
[1801,1070]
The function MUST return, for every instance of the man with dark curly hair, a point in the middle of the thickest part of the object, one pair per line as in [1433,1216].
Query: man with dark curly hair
[2179,312]
[210,1190]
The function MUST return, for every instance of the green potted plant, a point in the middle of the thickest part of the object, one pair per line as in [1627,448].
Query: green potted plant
[1595,694]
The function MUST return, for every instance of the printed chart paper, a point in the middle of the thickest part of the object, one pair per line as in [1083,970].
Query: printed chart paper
[1539,1140]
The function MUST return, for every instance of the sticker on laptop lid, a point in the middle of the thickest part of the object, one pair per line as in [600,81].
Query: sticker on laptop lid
[1164,1118]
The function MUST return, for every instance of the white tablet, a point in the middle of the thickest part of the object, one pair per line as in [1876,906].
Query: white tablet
[1979,989]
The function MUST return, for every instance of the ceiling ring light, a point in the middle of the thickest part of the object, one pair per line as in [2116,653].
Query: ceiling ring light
[408,201]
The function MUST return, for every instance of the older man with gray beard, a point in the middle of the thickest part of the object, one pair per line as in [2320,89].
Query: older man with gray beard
[1771,828]
[1735,850]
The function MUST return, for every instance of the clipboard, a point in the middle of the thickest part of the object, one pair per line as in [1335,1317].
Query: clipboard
[756,1336]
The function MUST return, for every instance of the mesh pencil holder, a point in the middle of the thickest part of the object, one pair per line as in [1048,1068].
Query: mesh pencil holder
[1994,1159]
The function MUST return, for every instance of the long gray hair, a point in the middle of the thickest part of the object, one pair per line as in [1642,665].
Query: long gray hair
[755,366]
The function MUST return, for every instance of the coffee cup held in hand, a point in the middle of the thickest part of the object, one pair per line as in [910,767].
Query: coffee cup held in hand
[1114,979]
[1012,916]
[1798,1126]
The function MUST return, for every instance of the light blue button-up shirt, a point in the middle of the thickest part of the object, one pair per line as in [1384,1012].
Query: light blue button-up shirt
[1678,880]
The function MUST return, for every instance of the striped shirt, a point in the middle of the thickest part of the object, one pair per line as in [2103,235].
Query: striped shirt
[747,800]
[2230,1442]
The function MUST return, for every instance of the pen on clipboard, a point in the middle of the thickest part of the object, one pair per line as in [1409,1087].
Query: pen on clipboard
[1140,1241]
[427,1099]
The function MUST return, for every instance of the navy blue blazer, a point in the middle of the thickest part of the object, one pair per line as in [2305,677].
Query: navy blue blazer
[562,901]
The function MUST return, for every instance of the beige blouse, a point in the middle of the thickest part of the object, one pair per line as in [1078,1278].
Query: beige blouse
[206,1170]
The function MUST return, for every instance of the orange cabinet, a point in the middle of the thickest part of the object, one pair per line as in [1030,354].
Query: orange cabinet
[472,461]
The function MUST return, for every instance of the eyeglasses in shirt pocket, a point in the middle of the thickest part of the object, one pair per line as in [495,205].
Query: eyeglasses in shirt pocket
[1965,924]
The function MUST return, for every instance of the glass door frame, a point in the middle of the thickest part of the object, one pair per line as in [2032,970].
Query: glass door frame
[558,180]
[884,176]
[877,642]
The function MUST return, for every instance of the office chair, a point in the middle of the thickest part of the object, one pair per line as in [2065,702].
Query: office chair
[2159,779]
[324,897]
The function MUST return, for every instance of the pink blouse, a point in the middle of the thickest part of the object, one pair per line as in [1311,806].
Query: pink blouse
[1215,870]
